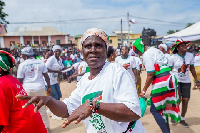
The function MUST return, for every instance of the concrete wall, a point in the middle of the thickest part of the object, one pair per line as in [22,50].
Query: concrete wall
[8,39]
[2,42]
[59,37]
[114,41]
[27,38]
[43,38]
[135,36]
[78,42]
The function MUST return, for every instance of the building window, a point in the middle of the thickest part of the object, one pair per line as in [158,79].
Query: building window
[43,42]
[36,42]
[57,42]
[12,42]
[119,40]
[110,41]
[28,42]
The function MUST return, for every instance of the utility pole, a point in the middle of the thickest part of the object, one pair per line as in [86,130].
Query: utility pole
[60,25]
[121,33]
[128,43]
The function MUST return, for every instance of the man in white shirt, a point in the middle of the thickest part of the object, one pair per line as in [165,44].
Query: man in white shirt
[30,73]
[128,62]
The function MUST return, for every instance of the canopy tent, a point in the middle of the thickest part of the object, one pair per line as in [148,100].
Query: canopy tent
[191,33]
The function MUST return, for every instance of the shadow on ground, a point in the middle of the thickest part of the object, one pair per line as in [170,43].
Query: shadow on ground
[70,128]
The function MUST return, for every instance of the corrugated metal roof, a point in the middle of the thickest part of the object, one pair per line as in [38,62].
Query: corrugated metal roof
[35,31]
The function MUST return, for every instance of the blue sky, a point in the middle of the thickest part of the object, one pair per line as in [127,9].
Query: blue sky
[106,14]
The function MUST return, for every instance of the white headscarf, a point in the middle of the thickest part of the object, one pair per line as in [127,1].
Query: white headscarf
[56,47]
[28,51]
[97,32]
[163,45]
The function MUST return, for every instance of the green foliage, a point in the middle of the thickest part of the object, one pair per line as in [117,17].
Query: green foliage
[189,24]
[170,32]
[3,15]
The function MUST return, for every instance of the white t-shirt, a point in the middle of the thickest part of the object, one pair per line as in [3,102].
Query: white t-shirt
[31,71]
[151,57]
[138,62]
[81,69]
[118,52]
[132,53]
[130,60]
[176,61]
[54,64]
[75,65]
[72,56]
[112,85]
[168,57]
[20,60]
[197,60]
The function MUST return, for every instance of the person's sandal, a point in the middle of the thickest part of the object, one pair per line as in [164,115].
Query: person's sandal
[184,123]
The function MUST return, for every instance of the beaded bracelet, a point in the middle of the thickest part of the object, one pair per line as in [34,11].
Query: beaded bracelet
[94,108]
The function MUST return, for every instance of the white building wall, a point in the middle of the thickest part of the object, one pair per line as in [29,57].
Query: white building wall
[21,40]
[49,39]
[66,39]
[2,45]
[32,40]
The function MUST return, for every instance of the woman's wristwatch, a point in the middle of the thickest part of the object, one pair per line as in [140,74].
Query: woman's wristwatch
[197,81]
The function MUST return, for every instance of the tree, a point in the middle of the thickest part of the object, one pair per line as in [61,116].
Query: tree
[3,15]
[189,24]
[170,32]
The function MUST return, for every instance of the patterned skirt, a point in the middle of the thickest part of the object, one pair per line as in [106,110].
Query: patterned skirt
[165,94]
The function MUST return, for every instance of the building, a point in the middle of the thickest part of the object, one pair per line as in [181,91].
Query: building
[113,41]
[78,41]
[37,36]
[124,37]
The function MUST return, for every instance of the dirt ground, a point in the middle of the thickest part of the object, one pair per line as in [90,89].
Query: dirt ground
[192,116]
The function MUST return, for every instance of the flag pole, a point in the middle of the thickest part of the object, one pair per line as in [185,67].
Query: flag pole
[128,44]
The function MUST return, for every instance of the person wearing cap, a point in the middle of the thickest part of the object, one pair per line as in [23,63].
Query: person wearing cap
[30,73]
[14,119]
[164,94]
[182,62]
[105,98]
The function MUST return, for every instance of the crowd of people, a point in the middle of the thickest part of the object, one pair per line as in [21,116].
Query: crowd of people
[108,85]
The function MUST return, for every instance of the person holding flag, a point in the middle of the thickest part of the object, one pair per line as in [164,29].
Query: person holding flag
[164,94]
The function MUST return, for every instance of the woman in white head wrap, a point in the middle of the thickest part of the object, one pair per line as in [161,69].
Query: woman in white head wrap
[54,66]
[105,98]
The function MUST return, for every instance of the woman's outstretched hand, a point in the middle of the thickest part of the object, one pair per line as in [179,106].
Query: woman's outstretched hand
[39,101]
[81,113]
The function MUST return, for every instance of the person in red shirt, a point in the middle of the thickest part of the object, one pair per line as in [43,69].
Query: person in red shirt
[14,118]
